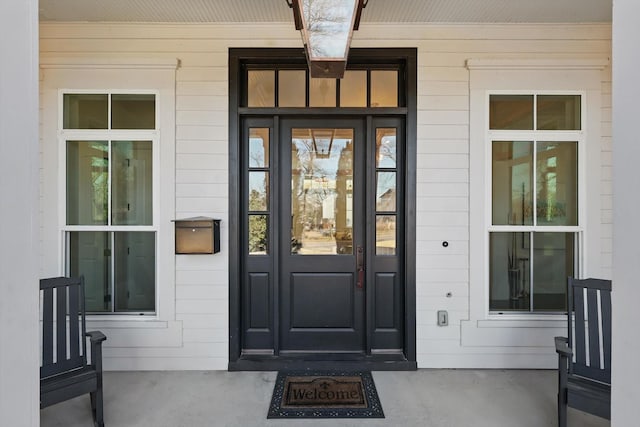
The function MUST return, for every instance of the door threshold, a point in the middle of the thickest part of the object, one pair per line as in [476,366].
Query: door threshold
[326,361]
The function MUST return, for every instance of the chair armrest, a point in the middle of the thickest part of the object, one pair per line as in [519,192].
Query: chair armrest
[562,347]
[96,337]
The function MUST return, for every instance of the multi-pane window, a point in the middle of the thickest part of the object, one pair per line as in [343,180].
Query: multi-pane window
[110,235]
[535,223]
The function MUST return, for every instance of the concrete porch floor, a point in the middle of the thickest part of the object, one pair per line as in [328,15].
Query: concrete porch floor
[429,398]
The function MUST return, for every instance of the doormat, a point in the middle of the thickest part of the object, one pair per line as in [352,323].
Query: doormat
[325,394]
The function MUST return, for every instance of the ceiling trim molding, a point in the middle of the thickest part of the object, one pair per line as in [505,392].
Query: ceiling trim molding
[103,62]
[537,64]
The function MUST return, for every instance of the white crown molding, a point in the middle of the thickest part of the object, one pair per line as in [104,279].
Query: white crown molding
[538,64]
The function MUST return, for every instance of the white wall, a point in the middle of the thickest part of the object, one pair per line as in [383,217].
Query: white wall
[443,180]
[626,292]
[19,374]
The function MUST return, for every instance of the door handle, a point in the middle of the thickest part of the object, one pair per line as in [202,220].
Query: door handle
[360,267]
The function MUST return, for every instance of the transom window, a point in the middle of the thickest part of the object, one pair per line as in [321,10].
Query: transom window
[535,141]
[110,148]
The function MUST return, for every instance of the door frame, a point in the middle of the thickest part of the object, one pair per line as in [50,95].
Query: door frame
[238,59]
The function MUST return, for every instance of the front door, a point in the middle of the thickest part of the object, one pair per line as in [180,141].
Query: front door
[322,235]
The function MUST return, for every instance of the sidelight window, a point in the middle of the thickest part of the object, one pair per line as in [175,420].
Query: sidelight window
[110,148]
[535,141]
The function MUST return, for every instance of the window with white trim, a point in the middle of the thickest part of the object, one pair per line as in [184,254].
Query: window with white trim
[109,147]
[535,141]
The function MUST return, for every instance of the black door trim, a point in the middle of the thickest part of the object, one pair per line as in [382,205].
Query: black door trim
[238,58]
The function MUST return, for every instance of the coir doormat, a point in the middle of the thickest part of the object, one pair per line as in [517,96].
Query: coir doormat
[325,395]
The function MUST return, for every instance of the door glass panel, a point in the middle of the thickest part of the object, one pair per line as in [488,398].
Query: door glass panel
[512,198]
[131,183]
[134,271]
[259,147]
[511,112]
[558,112]
[557,183]
[321,191]
[353,89]
[258,191]
[322,93]
[384,88]
[292,88]
[258,232]
[386,148]
[133,111]
[385,234]
[261,88]
[386,192]
[87,182]
[85,111]
[90,255]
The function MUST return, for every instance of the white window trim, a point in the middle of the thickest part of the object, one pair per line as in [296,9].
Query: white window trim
[142,75]
[547,76]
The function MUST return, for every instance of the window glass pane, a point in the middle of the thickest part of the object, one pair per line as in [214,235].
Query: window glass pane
[512,198]
[259,147]
[133,111]
[553,261]
[557,183]
[385,234]
[134,259]
[386,192]
[322,93]
[258,234]
[87,182]
[292,88]
[258,191]
[558,112]
[509,273]
[261,88]
[90,256]
[131,183]
[384,88]
[353,89]
[385,148]
[321,191]
[85,111]
[511,112]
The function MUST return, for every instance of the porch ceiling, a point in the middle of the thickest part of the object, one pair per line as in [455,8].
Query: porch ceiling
[396,11]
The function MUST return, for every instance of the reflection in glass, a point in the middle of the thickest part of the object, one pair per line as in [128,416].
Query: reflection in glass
[261,88]
[131,183]
[292,88]
[386,191]
[134,271]
[259,147]
[353,89]
[385,234]
[327,24]
[258,191]
[258,234]
[512,199]
[384,88]
[90,255]
[511,112]
[509,272]
[87,182]
[321,192]
[322,93]
[386,148]
[557,183]
[85,111]
[558,112]
[553,260]
[133,111]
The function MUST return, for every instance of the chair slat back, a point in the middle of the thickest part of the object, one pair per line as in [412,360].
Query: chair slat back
[63,325]
[589,328]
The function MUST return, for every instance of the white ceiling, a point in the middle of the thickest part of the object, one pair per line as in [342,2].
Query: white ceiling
[395,11]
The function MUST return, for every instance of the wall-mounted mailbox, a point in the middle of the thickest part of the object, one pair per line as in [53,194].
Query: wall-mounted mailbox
[198,235]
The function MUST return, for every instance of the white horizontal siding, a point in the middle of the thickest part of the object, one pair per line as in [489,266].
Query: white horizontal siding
[201,156]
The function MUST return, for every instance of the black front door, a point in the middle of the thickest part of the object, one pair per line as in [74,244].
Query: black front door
[322,236]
